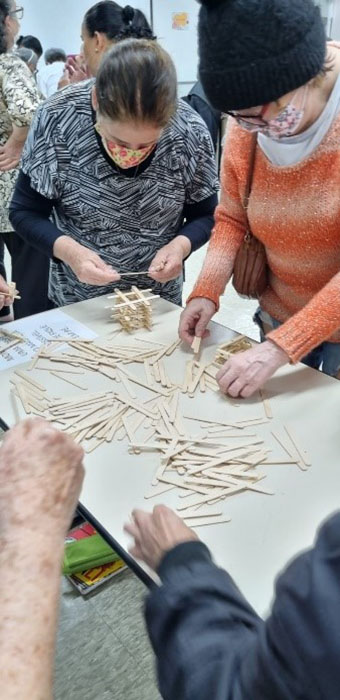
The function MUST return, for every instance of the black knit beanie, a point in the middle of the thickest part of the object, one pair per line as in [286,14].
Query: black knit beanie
[254,51]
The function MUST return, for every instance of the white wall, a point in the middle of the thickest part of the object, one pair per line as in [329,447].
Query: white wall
[57,23]
[336,21]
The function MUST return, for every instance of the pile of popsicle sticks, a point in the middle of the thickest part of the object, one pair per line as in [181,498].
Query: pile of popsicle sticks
[224,460]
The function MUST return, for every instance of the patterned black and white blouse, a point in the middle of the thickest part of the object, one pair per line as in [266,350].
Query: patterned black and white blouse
[126,220]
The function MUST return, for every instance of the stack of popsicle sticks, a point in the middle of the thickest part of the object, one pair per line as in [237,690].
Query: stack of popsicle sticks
[133,309]
[225,350]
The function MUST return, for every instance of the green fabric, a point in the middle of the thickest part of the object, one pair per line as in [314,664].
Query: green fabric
[86,554]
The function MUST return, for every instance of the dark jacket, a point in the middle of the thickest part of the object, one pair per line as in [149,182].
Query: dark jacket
[199,102]
[211,645]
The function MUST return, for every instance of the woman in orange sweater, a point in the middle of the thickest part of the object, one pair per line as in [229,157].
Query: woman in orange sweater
[267,64]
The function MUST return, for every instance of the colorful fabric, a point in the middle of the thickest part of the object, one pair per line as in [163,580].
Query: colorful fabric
[125,157]
[295,212]
[19,99]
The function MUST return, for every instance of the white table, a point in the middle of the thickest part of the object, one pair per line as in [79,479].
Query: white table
[265,531]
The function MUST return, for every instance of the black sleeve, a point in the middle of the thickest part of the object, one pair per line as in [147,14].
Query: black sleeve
[199,221]
[29,215]
[209,642]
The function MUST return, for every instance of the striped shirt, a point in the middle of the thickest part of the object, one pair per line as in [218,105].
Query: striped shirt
[126,220]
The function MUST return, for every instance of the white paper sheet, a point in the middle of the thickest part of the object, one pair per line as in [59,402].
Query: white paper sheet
[37,330]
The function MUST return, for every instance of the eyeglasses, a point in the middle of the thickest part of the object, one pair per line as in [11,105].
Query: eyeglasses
[251,117]
[19,13]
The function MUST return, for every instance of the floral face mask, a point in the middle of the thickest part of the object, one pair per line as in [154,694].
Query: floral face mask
[125,157]
[285,124]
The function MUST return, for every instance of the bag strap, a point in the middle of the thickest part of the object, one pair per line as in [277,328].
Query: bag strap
[249,180]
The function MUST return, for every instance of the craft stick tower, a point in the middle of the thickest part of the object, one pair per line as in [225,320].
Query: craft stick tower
[133,309]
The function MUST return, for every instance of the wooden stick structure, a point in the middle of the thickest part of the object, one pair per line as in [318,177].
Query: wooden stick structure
[224,351]
[133,309]
[196,344]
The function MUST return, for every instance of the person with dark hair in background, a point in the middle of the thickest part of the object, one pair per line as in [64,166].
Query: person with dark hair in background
[104,24]
[129,174]
[30,42]
[19,100]
[49,76]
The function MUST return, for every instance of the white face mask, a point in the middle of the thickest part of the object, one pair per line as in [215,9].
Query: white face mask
[285,124]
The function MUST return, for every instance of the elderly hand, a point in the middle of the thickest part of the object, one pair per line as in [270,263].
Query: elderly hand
[76,69]
[168,262]
[195,318]
[41,474]
[245,372]
[10,154]
[5,297]
[156,533]
[85,263]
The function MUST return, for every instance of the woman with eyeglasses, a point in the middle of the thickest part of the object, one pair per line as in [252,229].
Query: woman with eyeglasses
[268,65]
[19,100]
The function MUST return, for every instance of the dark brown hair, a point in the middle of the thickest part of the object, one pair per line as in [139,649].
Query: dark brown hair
[116,22]
[5,8]
[137,82]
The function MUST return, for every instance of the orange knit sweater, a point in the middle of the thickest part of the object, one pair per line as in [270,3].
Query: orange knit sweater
[295,212]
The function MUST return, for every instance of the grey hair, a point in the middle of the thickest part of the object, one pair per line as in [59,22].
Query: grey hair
[27,55]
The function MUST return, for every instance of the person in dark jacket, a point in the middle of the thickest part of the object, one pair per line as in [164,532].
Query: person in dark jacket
[210,643]
[198,100]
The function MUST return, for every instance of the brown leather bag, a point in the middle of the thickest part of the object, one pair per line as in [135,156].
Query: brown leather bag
[250,275]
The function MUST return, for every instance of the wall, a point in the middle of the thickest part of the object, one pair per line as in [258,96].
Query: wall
[57,23]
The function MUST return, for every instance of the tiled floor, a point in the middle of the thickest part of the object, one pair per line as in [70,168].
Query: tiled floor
[103,652]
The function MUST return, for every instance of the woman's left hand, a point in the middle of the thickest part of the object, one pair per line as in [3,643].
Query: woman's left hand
[245,372]
[168,262]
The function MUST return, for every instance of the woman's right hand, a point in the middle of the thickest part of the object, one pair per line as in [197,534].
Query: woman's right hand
[195,318]
[5,297]
[85,263]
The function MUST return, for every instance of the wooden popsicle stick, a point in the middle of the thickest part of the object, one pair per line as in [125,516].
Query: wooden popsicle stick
[196,345]
[69,381]
[148,375]
[173,347]
[10,345]
[126,384]
[302,453]
[133,378]
[29,379]
[162,488]
[266,405]
[203,522]
[203,513]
